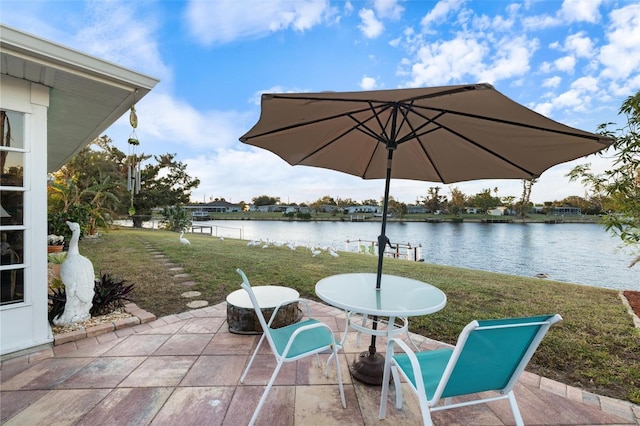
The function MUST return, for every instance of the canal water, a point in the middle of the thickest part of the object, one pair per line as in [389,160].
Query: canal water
[576,253]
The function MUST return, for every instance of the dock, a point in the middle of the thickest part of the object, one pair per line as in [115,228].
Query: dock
[201,229]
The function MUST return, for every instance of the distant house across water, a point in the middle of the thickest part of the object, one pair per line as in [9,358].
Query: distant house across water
[202,211]
[363,209]
[417,209]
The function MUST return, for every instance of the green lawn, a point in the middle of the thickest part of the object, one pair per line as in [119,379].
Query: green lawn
[595,348]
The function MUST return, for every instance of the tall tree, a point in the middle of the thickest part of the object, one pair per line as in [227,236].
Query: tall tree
[325,201]
[456,201]
[622,182]
[87,189]
[484,200]
[508,201]
[163,184]
[434,201]
[396,208]
[265,200]
[525,203]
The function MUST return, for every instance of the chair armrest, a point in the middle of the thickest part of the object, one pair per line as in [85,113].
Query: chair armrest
[405,348]
[415,365]
[287,302]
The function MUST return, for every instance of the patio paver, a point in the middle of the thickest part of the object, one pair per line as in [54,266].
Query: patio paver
[185,369]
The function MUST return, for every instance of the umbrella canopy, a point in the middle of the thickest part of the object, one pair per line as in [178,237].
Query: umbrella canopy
[439,134]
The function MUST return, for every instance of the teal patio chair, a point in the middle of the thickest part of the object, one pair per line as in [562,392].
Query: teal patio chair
[489,355]
[292,342]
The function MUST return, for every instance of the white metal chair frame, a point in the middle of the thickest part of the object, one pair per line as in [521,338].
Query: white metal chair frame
[417,385]
[289,352]
[384,328]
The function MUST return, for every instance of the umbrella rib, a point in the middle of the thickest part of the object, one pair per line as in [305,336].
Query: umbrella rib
[415,135]
[511,123]
[350,114]
[360,126]
[324,96]
[488,151]
[301,124]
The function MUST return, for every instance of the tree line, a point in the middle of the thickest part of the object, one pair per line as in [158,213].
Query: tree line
[455,203]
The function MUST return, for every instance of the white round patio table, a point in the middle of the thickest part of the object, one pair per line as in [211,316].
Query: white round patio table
[398,297]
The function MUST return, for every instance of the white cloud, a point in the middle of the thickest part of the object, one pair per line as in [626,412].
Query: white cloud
[585,84]
[499,23]
[256,98]
[348,8]
[389,9]
[228,20]
[545,67]
[565,64]
[368,83]
[440,12]
[447,61]
[239,175]
[570,11]
[115,32]
[167,125]
[510,60]
[371,27]
[578,98]
[621,56]
[579,44]
[580,11]
[540,22]
[572,98]
[544,108]
[552,81]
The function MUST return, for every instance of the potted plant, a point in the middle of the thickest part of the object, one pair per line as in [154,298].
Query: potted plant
[54,261]
[55,242]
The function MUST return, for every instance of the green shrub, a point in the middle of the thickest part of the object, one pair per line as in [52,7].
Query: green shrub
[57,258]
[57,300]
[109,295]
[176,218]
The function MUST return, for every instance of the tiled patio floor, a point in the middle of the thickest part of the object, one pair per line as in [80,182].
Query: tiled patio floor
[185,369]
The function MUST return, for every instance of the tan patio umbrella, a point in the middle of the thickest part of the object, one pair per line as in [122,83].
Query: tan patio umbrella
[439,134]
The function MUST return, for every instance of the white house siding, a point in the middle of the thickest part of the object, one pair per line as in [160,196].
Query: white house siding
[25,325]
[90,94]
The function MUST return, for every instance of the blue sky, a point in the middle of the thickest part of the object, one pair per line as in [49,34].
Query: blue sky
[574,61]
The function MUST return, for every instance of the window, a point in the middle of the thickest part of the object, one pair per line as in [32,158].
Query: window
[12,193]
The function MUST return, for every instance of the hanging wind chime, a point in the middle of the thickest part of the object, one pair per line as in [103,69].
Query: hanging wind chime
[133,166]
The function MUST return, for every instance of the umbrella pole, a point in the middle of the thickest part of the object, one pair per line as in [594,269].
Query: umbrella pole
[368,367]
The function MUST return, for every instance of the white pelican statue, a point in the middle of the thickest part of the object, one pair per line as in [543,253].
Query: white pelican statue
[78,277]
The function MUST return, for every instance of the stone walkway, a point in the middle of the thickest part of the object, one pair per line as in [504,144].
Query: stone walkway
[185,369]
[185,279]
